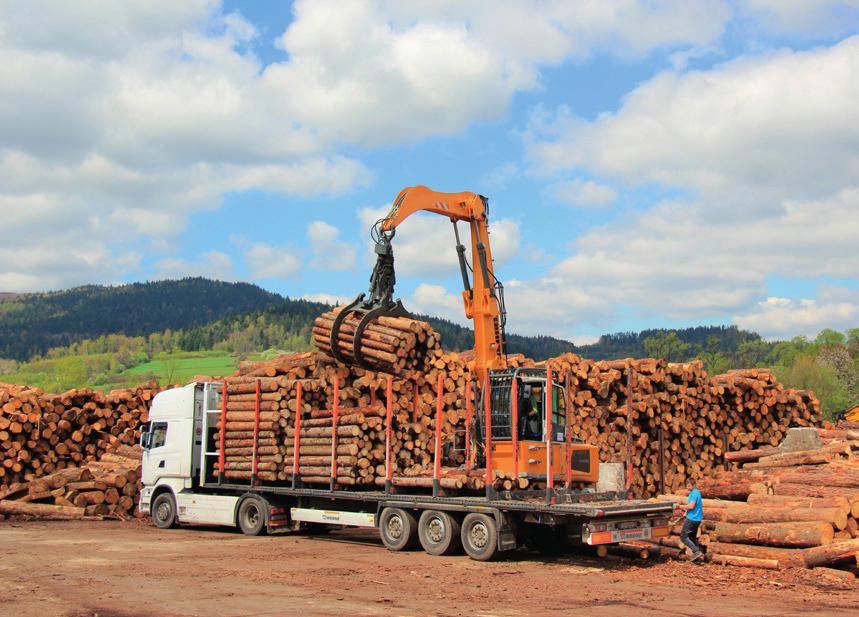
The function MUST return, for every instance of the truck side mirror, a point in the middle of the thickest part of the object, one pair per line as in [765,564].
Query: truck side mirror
[145,436]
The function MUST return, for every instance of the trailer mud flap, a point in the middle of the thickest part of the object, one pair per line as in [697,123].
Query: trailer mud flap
[506,532]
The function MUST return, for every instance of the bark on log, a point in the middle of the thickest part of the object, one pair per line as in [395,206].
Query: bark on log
[775,534]
[786,557]
[832,553]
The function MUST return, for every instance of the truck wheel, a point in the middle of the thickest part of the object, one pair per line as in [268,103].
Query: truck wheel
[480,536]
[164,511]
[398,529]
[252,516]
[439,533]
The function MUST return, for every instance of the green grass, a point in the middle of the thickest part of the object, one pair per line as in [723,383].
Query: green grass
[103,372]
[180,368]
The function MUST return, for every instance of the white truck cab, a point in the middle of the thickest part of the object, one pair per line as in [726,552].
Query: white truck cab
[174,458]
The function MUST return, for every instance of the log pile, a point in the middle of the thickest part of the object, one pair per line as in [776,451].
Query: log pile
[41,433]
[773,514]
[625,407]
[391,344]
[108,487]
[669,421]
[696,418]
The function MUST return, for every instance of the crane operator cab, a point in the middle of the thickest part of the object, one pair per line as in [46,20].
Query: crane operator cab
[518,405]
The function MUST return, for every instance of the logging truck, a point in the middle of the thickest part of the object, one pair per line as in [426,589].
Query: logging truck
[183,483]
[183,465]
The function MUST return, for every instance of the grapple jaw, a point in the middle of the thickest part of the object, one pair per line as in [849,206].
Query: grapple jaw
[368,312]
[379,304]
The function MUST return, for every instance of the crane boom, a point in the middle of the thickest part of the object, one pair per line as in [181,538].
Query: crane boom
[482,298]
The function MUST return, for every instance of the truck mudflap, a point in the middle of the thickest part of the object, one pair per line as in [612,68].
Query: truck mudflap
[611,532]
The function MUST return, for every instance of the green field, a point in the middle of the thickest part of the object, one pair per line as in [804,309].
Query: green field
[180,368]
[103,372]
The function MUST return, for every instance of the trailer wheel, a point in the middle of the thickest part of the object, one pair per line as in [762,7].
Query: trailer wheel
[439,533]
[480,536]
[398,528]
[252,516]
[164,511]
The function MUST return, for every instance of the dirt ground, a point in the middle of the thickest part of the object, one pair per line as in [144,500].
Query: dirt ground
[113,569]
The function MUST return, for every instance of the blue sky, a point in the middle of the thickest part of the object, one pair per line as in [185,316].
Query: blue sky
[648,164]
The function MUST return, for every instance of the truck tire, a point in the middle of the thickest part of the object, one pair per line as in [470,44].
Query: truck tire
[439,533]
[398,529]
[252,516]
[164,511]
[480,536]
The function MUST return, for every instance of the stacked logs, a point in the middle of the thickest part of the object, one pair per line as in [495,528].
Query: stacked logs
[667,421]
[392,344]
[108,487]
[361,436]
[260,412]
[678,421]
[785,509]
[44,433]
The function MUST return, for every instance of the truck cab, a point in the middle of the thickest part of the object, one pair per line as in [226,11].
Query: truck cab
[171,471]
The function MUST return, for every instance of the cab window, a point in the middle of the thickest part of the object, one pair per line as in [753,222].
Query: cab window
[159,435]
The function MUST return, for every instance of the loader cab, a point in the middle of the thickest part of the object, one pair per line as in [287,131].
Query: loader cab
[518,400]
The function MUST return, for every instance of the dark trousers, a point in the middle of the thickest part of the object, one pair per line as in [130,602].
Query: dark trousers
[689,534]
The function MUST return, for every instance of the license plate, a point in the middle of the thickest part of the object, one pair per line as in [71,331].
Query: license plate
[622,535]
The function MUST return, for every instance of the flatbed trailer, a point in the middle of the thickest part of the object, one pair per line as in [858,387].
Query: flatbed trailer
[182,485]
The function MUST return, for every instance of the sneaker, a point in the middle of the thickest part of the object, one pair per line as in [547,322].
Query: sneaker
[696,557]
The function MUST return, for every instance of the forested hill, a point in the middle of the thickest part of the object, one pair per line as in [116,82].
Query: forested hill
[701,339]
[30,324]
[196,314]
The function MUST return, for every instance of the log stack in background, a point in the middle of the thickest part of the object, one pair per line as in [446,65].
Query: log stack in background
[784,509]
[107,487]
[699,418]
[43,433]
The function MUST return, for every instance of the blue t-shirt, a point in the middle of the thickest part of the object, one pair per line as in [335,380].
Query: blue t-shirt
[696,514]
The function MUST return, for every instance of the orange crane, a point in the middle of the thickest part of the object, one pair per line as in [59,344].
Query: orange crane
[534,443]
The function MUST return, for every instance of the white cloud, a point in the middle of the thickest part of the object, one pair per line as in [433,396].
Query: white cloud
[583,193]
[123,120]
[265,262]
[328,252]
[675,261]
[384,71]
[211,264]
[426,247]
[804,17]
[120,121]
[498,178]
[761,129]
[436,301]
[327,298]
[584,339]
[777,318]
[768,148]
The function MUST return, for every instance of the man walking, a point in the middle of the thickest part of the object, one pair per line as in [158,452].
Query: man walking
[694,515]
